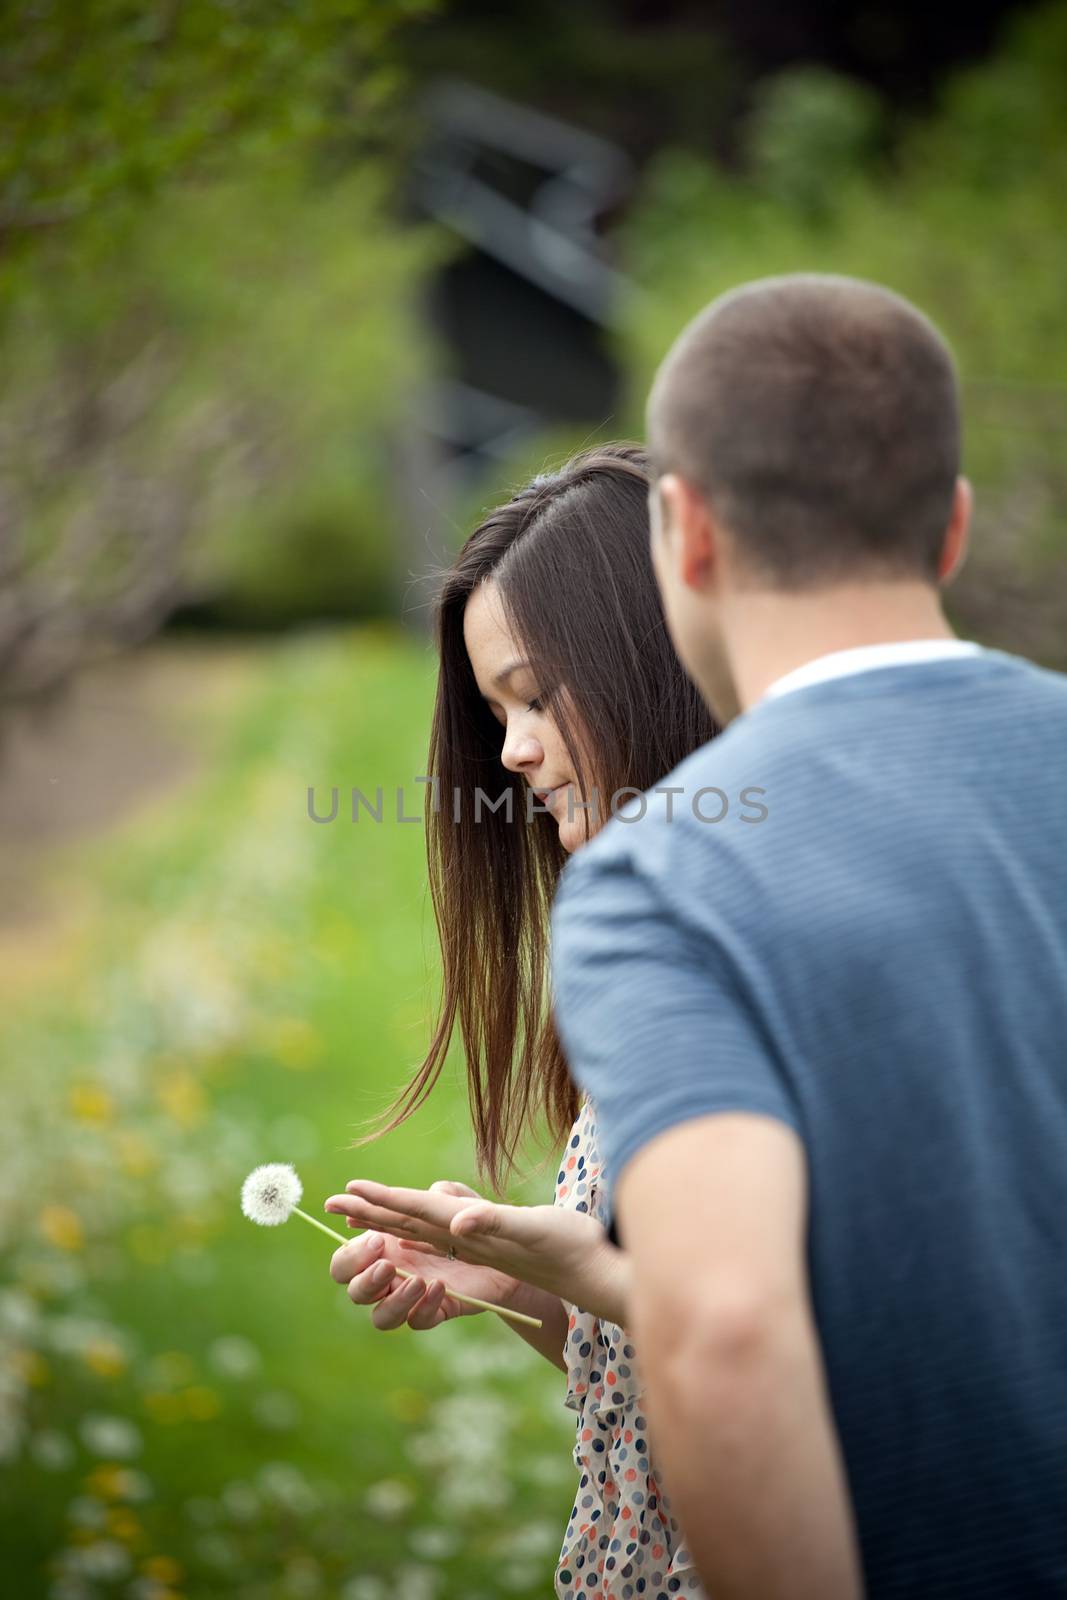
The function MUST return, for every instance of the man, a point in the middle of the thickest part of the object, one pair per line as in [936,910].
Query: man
[828,1043]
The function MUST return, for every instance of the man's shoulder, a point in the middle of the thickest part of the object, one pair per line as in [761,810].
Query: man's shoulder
[688,816]
[811,760]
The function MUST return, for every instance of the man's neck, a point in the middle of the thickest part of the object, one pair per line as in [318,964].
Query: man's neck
[767,635]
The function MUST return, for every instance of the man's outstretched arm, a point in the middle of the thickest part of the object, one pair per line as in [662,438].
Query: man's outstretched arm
[713,1212]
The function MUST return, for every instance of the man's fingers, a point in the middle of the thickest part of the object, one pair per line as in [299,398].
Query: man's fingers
[392,1312]
[427,1313]
[368,1286]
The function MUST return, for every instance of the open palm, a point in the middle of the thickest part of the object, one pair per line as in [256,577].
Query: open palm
[362,1264]
[551,1247]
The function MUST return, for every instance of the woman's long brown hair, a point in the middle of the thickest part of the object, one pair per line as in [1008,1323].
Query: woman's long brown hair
[569,558]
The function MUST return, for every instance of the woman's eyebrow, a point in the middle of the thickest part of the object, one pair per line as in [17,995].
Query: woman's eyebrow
[502,677]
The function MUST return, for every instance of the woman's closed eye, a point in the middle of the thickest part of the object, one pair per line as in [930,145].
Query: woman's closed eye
[536,705]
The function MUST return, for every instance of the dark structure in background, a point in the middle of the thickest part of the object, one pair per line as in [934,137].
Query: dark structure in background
[648,73]
[522,308]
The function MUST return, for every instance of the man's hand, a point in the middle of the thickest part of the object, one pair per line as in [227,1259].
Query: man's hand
[367,1266]
[553,1247]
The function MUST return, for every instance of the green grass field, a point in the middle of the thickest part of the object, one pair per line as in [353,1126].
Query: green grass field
[189,1405]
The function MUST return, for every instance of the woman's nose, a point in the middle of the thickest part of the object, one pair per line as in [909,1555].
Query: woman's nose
[521,750]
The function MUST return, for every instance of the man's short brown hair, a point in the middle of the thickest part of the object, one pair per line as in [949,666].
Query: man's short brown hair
[819,416]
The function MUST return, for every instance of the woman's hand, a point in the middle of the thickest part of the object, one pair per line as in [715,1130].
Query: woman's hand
[555,1248]
[368,1266]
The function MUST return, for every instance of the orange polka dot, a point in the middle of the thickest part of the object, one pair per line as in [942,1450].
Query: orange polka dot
[587,1433]
[564,1189]
[571,1162]
[610,1376]
[657,1552]
[627,1513]
[628,1436]
[630,1474]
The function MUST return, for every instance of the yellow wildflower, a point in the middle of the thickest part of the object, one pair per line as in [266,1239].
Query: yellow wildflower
[162,1407]
[164,1569]
[295,1042]
[104,1357]
[182,1098]
[122,1524]
[31,1366]
[135,1154]
[90,1103]
[62,1227]
[201,1404]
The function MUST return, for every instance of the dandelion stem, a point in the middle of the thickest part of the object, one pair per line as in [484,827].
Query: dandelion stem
[315,1223]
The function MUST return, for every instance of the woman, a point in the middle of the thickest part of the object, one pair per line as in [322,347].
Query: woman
[558,688]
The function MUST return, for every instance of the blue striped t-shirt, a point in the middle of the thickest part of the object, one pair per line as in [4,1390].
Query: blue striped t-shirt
[873,950]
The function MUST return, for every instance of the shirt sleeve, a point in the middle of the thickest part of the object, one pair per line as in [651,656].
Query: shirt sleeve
[656,1020]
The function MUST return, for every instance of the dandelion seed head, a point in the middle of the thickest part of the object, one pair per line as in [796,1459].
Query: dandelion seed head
[269,1194]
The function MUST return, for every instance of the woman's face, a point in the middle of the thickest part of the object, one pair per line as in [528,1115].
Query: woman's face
[532,745]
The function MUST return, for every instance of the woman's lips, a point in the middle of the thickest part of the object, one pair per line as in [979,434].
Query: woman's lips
[548,797]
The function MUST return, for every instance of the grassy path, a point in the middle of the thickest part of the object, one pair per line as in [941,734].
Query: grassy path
[188,1405]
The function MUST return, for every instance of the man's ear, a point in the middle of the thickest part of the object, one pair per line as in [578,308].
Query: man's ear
[955,545]
[687,531]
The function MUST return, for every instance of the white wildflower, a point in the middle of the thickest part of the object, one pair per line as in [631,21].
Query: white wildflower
[145,1588]
[389,1498]
[416,1582]
[51,1450]
[86,1511]
[276,1410]
[233,1356]
[365,1587]
[241,1501]
[113,1437]
[19,1314]
[11,1435]
[434,1544]
[107,1559]
[286,1486]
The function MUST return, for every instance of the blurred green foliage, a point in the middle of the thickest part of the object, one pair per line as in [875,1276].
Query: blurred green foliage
[807,132]
[241,349]
[964,215]
[207,326]
[966,218]
[106,101]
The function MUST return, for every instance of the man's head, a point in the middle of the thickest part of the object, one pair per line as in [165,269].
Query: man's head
[804,432]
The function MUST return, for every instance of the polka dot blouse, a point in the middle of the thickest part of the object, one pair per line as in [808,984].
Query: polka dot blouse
[621,1542]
